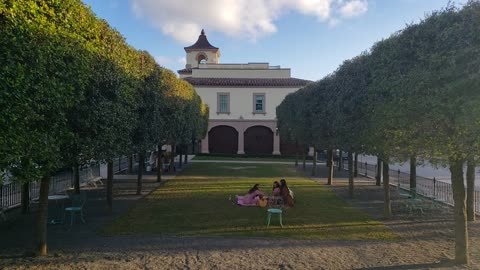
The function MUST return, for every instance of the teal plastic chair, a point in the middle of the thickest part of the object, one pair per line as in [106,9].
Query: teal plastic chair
[271,211]
[78,201]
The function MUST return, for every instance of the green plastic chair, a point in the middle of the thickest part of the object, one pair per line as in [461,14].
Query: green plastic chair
[271,211]
[78,201]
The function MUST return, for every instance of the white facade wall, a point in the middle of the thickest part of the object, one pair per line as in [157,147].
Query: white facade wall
[241,73]
[241,115]
[241,101]
[236,66]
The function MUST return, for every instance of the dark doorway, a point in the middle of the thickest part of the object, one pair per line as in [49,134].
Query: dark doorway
[258,140]
[223,140]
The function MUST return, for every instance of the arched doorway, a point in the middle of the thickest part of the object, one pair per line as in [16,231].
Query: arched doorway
[258,140]
[223,140]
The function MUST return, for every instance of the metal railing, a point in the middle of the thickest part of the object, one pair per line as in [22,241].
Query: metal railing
[429,187]
[11,193]
[120,164]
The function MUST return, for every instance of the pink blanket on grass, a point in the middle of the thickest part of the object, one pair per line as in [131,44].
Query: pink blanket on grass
[249,199]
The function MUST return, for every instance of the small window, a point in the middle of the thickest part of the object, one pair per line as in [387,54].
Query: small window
[223,103]
[259,103]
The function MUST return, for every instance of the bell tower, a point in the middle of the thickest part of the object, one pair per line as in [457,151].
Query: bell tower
[201,52]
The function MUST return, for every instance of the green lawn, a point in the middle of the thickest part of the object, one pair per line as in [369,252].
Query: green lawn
[241,169]
[240,158]
[197,203]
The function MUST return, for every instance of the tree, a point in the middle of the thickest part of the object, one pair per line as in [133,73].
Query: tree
[451,96]
[470,189]
[350,107]
[45,67]
[444,104]
[320,119]
[184,116]
[384,124]
[148,100]
[286,125]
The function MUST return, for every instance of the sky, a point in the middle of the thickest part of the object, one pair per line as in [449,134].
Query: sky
[312,37]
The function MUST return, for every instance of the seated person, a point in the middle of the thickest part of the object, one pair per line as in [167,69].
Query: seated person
[251,198]
[275,200]
[276,189]
[285,193]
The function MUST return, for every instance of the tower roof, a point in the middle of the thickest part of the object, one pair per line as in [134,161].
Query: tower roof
[201,44]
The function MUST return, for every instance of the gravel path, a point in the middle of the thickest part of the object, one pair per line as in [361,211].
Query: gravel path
[427,243]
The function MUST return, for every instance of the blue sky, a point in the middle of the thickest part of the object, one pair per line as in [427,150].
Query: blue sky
[312,37]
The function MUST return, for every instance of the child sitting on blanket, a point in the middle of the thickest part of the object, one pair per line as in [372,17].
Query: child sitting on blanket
[251,198]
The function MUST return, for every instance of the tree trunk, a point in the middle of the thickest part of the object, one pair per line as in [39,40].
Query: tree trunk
[378,177]
[471,190]
[460,217]
[159,164]
[387,210]
[172,160]
[314,167]
[355,166]
[330,167]
[180,160]
[141,168]
[304,156]
[328,158]
[296,154]
[76,178]
[185,161]
[42,217]
[130,164]
[413,176]
[109,192]
[25,197]
[350,174]
[340,160]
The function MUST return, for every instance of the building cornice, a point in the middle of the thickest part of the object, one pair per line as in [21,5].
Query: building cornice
[246,82]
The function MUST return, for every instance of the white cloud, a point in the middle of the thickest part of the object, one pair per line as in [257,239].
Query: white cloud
[183,19]
[353,8]
[334,22]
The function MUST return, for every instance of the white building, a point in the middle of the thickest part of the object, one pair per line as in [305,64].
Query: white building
[242,100]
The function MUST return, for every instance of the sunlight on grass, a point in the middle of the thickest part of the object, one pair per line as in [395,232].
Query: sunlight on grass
[195,204]
[238,169]
[242,158]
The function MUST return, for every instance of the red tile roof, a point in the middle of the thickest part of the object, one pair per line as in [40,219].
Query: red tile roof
[260,82]
[201,44]
[185,71]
